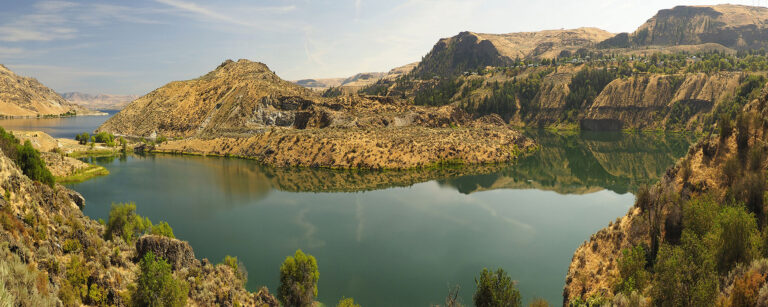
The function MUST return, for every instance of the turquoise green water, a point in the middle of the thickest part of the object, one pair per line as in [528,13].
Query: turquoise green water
[396,238]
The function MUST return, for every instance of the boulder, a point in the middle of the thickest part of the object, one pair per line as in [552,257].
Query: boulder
[178,253]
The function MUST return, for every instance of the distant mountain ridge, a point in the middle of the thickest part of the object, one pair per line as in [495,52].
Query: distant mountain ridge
[357,81]
[99,101]
[27,97]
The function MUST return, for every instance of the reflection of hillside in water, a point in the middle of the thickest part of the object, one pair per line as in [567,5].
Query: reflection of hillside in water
[585,163]
[567,164]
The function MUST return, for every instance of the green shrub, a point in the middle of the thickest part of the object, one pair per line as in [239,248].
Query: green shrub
[347,302]
[699,215]
[71,245]
[125,223]
[83,138]
[97,296]
[632,273]
[75,287]
[156,285]
[237,267]
[104,137]
[298,280]
[496,290]
[734,237]
[162,229]
[685,274]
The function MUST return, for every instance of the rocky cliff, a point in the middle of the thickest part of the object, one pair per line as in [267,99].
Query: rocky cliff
[470,51]
[733,26]
[51,253]
[722,170]
[244,109]
[26,97]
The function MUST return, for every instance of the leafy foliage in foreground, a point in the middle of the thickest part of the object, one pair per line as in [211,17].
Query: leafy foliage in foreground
[298,280]
[126,224]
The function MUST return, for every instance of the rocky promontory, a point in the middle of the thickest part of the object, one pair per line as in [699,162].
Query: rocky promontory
[243,109]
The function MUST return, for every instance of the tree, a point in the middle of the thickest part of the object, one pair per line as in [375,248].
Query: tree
[156,285]
[125,223]
[29,161]
[496,290]
[632,270]
[298,280]
[347,302]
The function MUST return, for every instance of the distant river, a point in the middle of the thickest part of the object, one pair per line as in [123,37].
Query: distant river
[396,238]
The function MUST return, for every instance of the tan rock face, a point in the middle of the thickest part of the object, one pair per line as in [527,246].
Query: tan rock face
[733,26]
[20,96]
[243,109]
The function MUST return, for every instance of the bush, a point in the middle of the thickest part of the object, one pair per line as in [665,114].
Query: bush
[22,284]
[104,137]
[237,267]
[125,223]
[685,275]
[347,302]
[75,287]
[539,302]
[699,215]
[735,237]
[162,229]
[298,280]
[496,289]
[83,138]
[156,285]
[746,289]
[632,273]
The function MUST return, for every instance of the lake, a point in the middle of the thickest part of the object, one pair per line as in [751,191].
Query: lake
[396,238]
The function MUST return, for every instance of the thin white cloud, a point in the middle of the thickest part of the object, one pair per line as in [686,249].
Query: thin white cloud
[10,51]
[211,14]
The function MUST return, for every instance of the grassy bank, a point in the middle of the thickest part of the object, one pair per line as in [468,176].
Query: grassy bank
[83,174]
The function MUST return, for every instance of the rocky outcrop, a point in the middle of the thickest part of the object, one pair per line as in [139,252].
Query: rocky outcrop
[470,51]
[178,253]
[733,26]
[384,148]
[26,97]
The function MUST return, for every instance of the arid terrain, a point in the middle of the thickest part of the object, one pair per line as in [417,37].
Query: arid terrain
[243,109]
[26,97]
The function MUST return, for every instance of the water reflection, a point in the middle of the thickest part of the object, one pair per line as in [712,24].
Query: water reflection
[407,233]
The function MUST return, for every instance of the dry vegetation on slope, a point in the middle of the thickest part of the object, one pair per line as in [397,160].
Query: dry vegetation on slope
[698,237]
[243,109]
[26,97]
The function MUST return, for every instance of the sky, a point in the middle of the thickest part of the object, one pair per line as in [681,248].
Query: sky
[136,46]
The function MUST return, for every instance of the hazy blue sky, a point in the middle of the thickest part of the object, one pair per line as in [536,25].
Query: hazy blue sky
[135,46]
